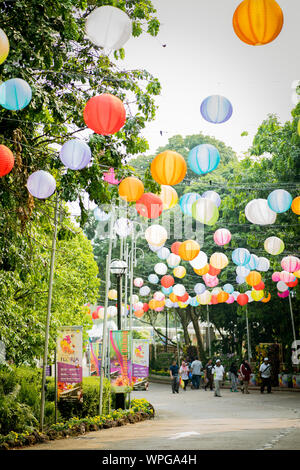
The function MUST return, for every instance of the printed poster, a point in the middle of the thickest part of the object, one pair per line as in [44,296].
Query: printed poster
[69,363]
[95,358]
[120,364]
[140,359]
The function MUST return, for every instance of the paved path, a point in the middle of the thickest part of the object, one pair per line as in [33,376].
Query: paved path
[197,420]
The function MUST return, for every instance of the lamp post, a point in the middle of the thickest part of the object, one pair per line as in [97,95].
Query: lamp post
[292,294]
[118,268]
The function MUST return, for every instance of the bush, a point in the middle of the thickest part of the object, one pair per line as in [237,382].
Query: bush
[163,361]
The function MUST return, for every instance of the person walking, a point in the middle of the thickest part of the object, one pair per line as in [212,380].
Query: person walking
[233,376]
[245,371]
[219,375]
[174,376]
[265,373]
[196,368]
[208,377]
[184,373]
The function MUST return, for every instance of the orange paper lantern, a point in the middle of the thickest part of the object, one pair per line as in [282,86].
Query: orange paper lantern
[167,281]
[168,168]
[131,189]
[139,313]
[202,271]
[6,160]
[173,297]
[253,278]
[257,22]
[296,205]
[266,299]
[104,114]
[222,297]
[214,299]
[213,271]
[259,286]
[188,250]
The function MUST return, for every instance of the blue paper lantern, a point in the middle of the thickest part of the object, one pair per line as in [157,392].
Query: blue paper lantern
[213,196]
[216,109]
[279,200]
[167,290]
[75,154]
[41,184]
[203,159]
[15,94]
[194,302]
[240,256]
[153,278]
[163,253]
[228,288]
[252,263]
[101,215]
[186,201]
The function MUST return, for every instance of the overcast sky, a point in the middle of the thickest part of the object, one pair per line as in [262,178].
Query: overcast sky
[203,56]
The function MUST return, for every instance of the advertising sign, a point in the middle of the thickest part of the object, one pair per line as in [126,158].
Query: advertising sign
[95,358]
[140,358]
[120,365]
[69,363]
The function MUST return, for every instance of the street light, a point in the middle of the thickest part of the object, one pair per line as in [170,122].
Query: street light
[118,268]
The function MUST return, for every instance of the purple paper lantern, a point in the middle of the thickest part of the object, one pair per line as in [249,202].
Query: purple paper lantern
[75,154]
[41,184]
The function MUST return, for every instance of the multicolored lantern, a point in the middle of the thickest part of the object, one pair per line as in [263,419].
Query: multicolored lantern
[205,298]
[290,263]
[216,109]
[178,290]
[104,114]
[281,286]
[186,202]
[252,263]
[7,160]
[4,46]
[188,250]
[273,245]
[222,297]
[75,154]
[222,236]
[149,206]
[202,271]
[257,295]
[240,256]
[169,197]
[213,271]
[15,94]
[258,212]
[41,184]
[173,260]
[168,168]
[279,200]
[203,159]
[205,211]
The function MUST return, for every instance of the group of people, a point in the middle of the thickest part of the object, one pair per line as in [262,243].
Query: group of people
[212,375]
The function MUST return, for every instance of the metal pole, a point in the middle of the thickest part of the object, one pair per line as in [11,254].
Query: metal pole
[55,373]
[42,411]
[177,341]
[166,347]
[208,332]
[104,335]
[119,288]
[248,336]
[131,306]
[126,283]
[292,317]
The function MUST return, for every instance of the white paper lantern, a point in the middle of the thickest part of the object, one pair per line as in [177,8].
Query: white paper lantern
[123,227]
[41,184]
[138,282]
[281,286]
[263,264]
[250,298]
[153,278]
[169,303]
[163,253]
[242,271]
[274,245]
[75,154]
[158,296]
[173,260]
[179,290]
[134,299]
[144,291]
[156,235]
[199,288]
[258,212]
[200,261]
[161,269]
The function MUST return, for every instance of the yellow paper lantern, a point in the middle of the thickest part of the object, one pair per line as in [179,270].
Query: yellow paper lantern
[297,273]
[112,294]
[131,189]
[257,295]
[182,304]
[202,271]
[218,260]
[168,196]
[204,298]
[173,297]
[188,250]
[179,272]
[253,278]
[168,168]
[4,46]
[257,22]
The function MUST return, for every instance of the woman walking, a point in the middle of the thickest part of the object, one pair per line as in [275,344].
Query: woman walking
[245,371]
[184,373]
[233,376]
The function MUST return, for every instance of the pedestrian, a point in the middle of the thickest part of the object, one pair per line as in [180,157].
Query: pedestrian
[196,368]
[174,376]
[265,373]
[245,371]
[233,376]
[209,377]
[184,373]
[219,375]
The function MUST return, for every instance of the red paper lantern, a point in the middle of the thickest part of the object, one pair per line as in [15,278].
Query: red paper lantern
[242,299]
[259,286]
[104,114]
[167,281]
[213,271]
[139,313]
[175,247]
[145,307]
[214,300]
[149,205]
[95,315]
[7,160]
[183,298]
[292,283]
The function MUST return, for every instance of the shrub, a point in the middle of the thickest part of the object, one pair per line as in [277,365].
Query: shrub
[163,361]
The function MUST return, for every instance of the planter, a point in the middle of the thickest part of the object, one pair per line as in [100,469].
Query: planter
[296,381]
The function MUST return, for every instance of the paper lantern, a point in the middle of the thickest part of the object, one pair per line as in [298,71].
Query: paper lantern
[155,249]
[276,276]
[156,235]
[4,46]
[210,281]
[284,294]
[203,270]
[149,206]
[138,282]
[134,299]
[138,306]
[186,202]
[228,288]
[296,202]
[175,247]
[163,253]
[158,296]
[235,294]
[15,94]
[297,273]
[218,260]
[123,227]
[139,313]
[257,295]
[112,311]
[250,299]
[252,263]
[101,215]
[286,277]
[204,298]
[131,189]
[253,278]
[263,264]
[213,271]
[167,290]
[213,196]
[222,297]
[169,303]
[203,159]
[240,279]
[242,271]
[205,211]
[104,114]
[257,22]
[41,184]
[214,300]
[168,168]
[230,299]
[75,154]
[259,286]
[167,281]
[279,200]
[194,302]
[109,177]
[216,291]
[160,268]
[242,299]
[292,283]
[200,261]
[222,236]
[183,298]
[266,298]
[178,290]
[188,250]
[153,278]
[95,315]
[281,286]
[290,263]
[273,245]
[112,294]
[144,291]
[145,307]
[199,288]
[258,212]
[179,272]
[173,260]
[240,256]
[7,160]
[173,297]
[169,197]
[108,27]
[216,109]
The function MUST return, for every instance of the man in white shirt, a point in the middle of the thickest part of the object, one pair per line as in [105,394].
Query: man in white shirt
[196,368]
[265,373]
[219,375]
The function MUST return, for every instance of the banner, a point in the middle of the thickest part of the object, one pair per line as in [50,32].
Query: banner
[140,359]
[69,363]
[120,365]
[95,358]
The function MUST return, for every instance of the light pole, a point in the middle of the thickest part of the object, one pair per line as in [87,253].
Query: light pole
[119,268]
[292,294]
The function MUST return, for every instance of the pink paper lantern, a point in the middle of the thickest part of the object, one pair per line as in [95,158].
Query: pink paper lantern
[138,282]
[222,236]
[230,299]
[210,281]
[110,178]
[276,276]
[284,294]
[290,264]
[285,276]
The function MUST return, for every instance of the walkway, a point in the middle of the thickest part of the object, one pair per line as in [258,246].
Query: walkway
[197,420]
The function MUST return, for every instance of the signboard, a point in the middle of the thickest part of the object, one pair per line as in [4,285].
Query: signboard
[95,358]
[120,365]
[140,359]
[69,363]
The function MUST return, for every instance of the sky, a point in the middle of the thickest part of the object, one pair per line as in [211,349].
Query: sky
[203,56]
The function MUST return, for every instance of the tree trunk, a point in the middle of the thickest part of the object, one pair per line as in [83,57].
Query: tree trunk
[195,318]
[184,319]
